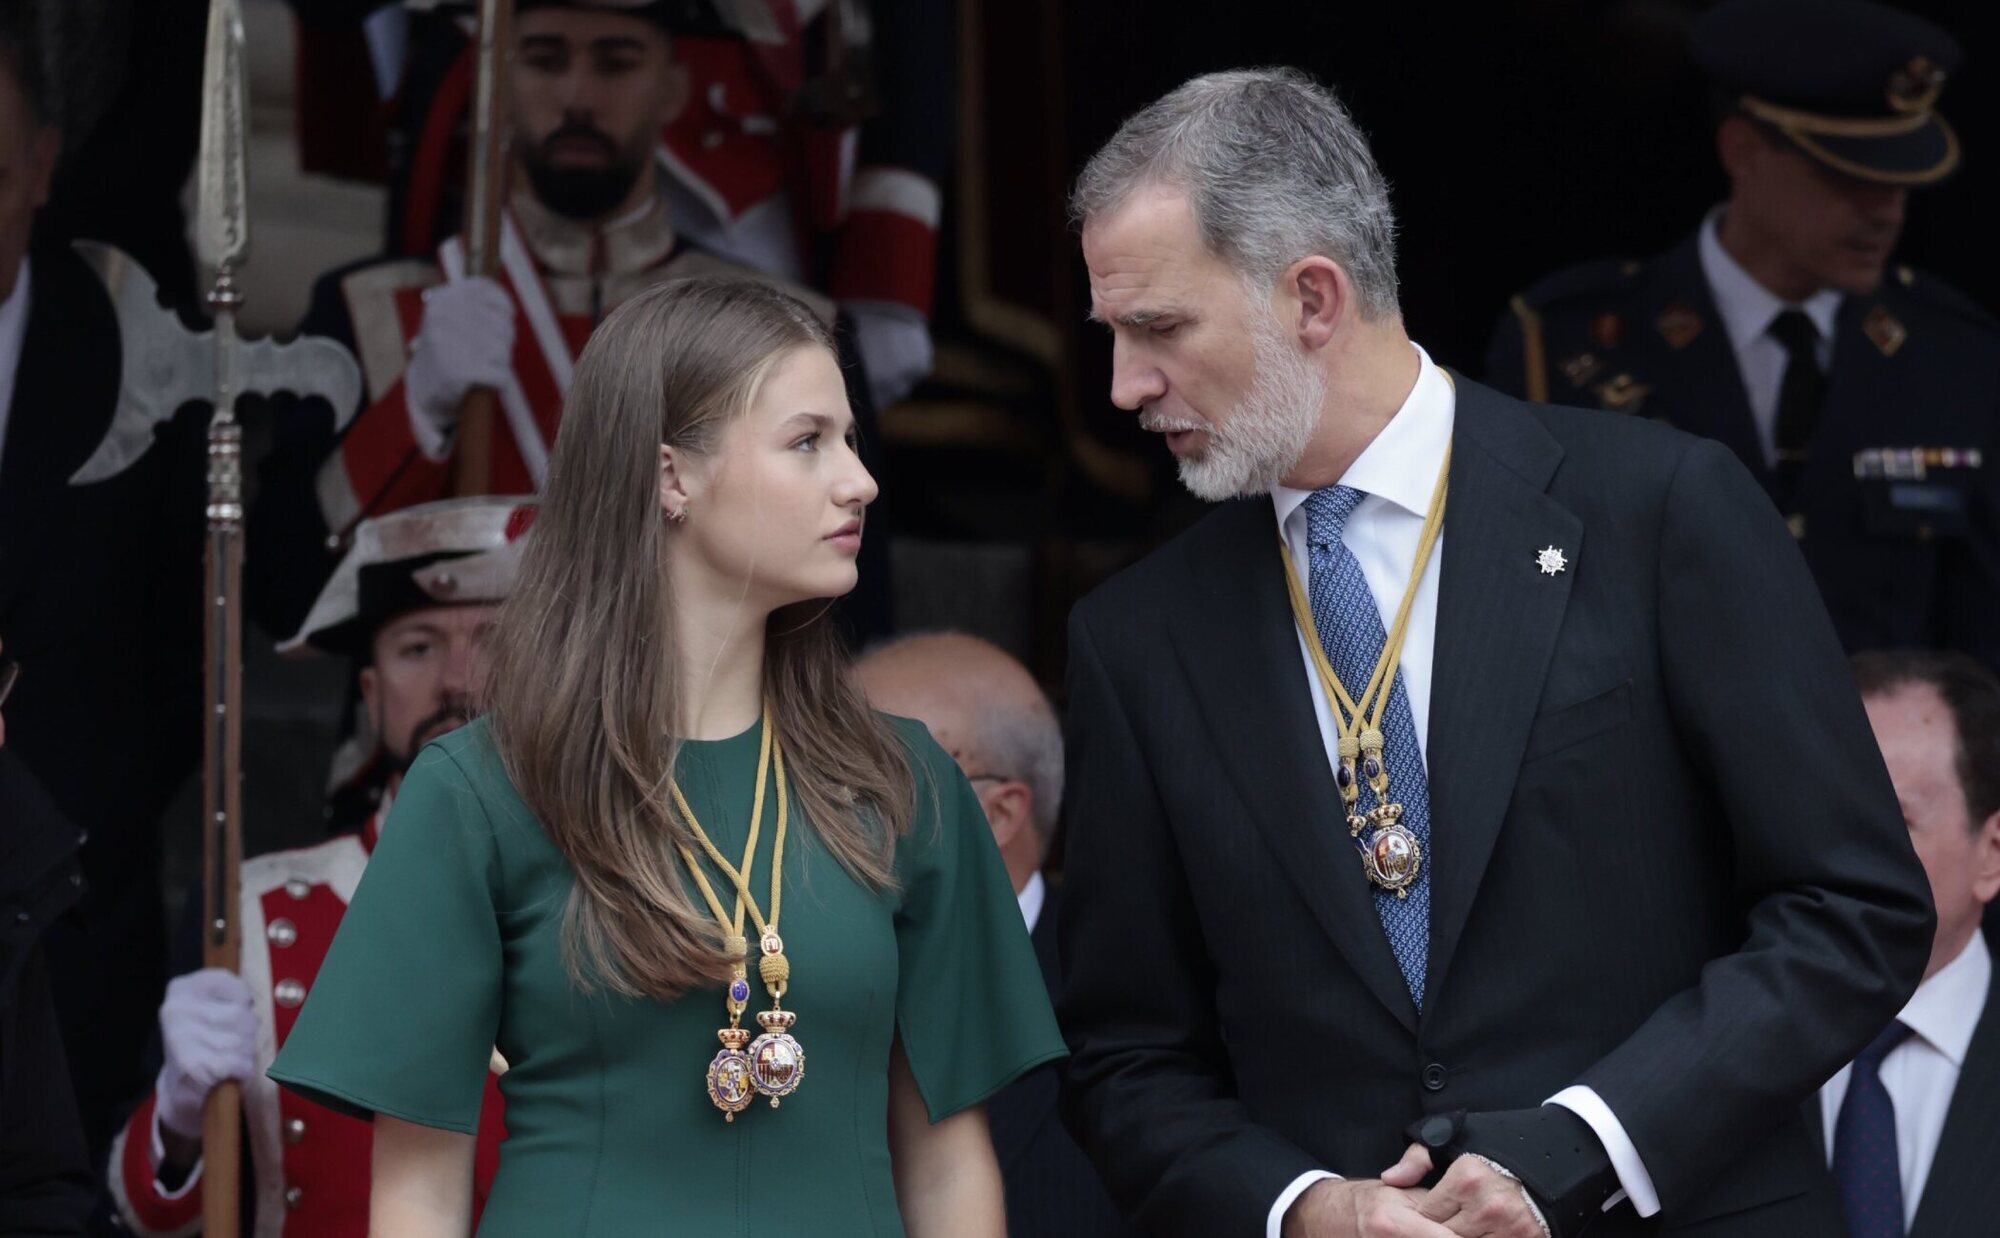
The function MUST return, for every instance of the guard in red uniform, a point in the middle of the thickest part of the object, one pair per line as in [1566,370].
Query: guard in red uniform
[412,601]
[593,84]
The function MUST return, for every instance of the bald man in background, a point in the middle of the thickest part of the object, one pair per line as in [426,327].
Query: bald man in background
[988,712]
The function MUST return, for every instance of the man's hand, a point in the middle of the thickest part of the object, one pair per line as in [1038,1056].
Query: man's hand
[895,345]
[1473,1201]
[466,340]
[208,1029]
[1388,1207]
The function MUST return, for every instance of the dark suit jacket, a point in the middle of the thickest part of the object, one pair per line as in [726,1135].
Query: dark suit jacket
[1901,560]
[1958,1199]
[100,600]
[46,1184]
[1667,862]
[1052,1191]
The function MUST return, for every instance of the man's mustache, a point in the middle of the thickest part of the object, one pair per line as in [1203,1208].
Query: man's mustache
[453,712]
[579,129]
[1160,423]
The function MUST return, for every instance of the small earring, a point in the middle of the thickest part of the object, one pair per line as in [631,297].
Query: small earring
[680,515]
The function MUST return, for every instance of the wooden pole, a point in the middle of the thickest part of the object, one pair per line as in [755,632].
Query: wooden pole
[472,464]
[222,746]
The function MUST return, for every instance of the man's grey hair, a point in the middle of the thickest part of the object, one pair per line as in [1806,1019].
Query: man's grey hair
[1026,744]
[1274,169]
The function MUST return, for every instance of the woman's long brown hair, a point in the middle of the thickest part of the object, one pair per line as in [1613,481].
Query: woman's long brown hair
[582,691]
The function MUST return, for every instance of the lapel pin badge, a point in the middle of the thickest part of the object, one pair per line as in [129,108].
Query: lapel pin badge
[1550,560]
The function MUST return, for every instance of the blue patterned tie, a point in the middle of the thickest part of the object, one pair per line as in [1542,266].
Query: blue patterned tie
[1865,1162]
[1350,630]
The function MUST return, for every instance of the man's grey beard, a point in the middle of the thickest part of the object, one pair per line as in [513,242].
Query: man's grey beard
[1263,437]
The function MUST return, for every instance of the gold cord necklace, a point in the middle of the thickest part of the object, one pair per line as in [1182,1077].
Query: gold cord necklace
[1390,855]
[774,1063]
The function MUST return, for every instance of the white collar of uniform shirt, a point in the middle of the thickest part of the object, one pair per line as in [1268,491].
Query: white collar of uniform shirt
[1747,309]
[13,329]
[1921,1073]
[1031,898]
[1397,472]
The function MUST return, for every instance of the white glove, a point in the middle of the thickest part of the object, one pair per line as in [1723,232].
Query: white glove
[895,344]
[208,1025]
[466,340]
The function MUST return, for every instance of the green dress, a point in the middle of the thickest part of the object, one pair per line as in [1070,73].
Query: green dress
[453,946]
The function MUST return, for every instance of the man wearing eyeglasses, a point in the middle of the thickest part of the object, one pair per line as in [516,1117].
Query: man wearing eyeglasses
[991,715]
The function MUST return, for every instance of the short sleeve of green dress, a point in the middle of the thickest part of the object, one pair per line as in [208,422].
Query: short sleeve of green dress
[402,1017]
[958,934]
[453,947]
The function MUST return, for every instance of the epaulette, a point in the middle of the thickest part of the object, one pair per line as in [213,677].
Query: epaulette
[1937,294]
[1587,279]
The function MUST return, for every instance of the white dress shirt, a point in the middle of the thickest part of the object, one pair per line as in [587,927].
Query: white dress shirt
[1921,1073]
[1031,898]
[13,327]
[1397,472]
[1747,308]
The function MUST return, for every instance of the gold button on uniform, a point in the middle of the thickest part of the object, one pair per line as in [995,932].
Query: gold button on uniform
[289,993]
[282,932]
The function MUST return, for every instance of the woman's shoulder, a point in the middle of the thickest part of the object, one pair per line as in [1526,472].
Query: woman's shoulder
[928,759]
[468,760]
[468,751]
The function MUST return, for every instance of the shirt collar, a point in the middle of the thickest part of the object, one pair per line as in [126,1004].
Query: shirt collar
[1031,898]
[1746,306]
[1946,1007]
[1401,464]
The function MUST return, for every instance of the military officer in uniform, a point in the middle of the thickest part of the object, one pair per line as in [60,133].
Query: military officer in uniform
[1863,394]
[412,601]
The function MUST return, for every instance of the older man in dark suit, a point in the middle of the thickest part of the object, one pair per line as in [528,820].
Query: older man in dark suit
[1912,1125]
[1479,789]
[991,715]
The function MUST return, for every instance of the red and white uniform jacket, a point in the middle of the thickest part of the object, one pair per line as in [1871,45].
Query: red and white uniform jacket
[308,1165]
[852,210]
[564,278]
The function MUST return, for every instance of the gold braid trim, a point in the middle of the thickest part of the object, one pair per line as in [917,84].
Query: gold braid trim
[1859,171]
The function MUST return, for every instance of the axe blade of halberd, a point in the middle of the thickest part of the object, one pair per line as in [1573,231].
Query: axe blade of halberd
[165,365]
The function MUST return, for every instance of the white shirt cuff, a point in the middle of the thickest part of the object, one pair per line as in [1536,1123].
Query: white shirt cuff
[159,1156]
[1276,1222]
[1585,1103]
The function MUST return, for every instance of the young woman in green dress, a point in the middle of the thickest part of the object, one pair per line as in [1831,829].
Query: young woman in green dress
[681,861]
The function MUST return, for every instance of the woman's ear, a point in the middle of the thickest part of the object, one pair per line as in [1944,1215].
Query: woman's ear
[674,497]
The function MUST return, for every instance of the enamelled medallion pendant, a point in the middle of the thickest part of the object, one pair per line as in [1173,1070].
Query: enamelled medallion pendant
[729,1081]
[777,1063]
[1390,854]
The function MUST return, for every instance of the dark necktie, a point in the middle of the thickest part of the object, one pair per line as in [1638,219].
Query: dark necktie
[1800,394]
[1349,628]
[1865,1163]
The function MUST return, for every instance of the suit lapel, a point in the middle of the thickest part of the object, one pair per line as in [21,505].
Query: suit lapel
[1707,397]
[1238,645]
[1958,1194]
[1498,616]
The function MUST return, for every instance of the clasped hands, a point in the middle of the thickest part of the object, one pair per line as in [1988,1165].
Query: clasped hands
[1471,1200]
